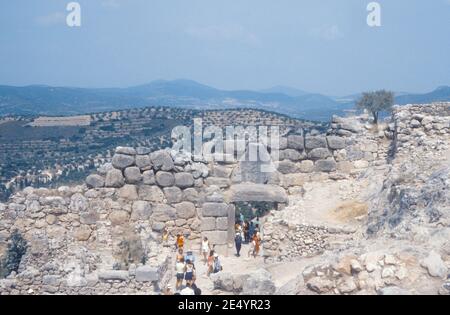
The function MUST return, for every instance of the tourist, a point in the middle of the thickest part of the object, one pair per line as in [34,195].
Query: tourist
[165,236]
[217,264]
[187,290]
[180,241]
[206,248]
[246,232]
[190,256]
[251,230]
[241,218]
[238,243]
[190,270]
[251,250]
[180,269]
[168,290]
[210,263]
[257,247]
[180,255]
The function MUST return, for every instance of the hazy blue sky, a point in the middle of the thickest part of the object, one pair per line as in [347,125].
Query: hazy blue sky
[319,46]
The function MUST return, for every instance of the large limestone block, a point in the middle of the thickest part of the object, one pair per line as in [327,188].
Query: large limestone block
[165,179]
[185,210]
[114,178]
[122,161]
[141,210]
[132,175]
[314,142]
[162,160]
[257,192]
[95,181]
[173,194]
[151,193]
[184,180]
[336,143]
[147,274]
[211,209]
[296,142]
[163,213]
[128,192]
[319,154]
[217,237]
[326,166]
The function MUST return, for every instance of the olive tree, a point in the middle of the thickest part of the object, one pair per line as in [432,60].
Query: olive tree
[376,102]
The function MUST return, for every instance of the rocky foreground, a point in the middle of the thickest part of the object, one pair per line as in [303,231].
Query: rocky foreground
[361,209]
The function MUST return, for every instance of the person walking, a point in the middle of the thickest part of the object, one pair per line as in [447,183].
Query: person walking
[238,243]
[206,248]
[246,232]
[180,241]
[257,247]
[217,264]
[180,255]
[190,273]
[165,237]
[180,269]
[210,263]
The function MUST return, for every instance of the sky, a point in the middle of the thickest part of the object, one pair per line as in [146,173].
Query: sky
[318,46]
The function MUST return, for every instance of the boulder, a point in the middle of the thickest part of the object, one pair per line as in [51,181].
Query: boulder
[165,179]
[215,209]
[141,210]
[78,203]
[208,224]
[119,217]
[314,142]
[190,194]
[114,178]
[143,162]
[148,177]
[163,213]
[132,175]
[435,265]
[128,192]
[122,161]
[286,167]
[295,142]
[257,192]
[184,180]
[162,160]
[125,150]
[151,193]
[173,194]
[306,166]
[95,181]
[222,223]
[82,233]
[291,154]
[158,227]
[336,143]
[325,166]
[119,275]
[319,154]
[259,283]
[143,150]
[320,285]
[185,210]
[146,274]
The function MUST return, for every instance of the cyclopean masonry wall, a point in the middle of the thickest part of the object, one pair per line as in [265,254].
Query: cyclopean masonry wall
[105,236]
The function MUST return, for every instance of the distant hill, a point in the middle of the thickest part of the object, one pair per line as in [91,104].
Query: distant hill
[440,94]
[287,90]
[47,100]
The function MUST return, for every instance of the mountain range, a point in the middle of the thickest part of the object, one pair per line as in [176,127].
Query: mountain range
[48,100]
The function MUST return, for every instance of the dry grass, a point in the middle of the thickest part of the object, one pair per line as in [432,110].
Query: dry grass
[350,210]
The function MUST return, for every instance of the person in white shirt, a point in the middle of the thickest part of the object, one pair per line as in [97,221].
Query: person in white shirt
[180,269]
[187,290]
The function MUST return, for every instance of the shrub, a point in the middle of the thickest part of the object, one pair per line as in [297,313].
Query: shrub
[17,247]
